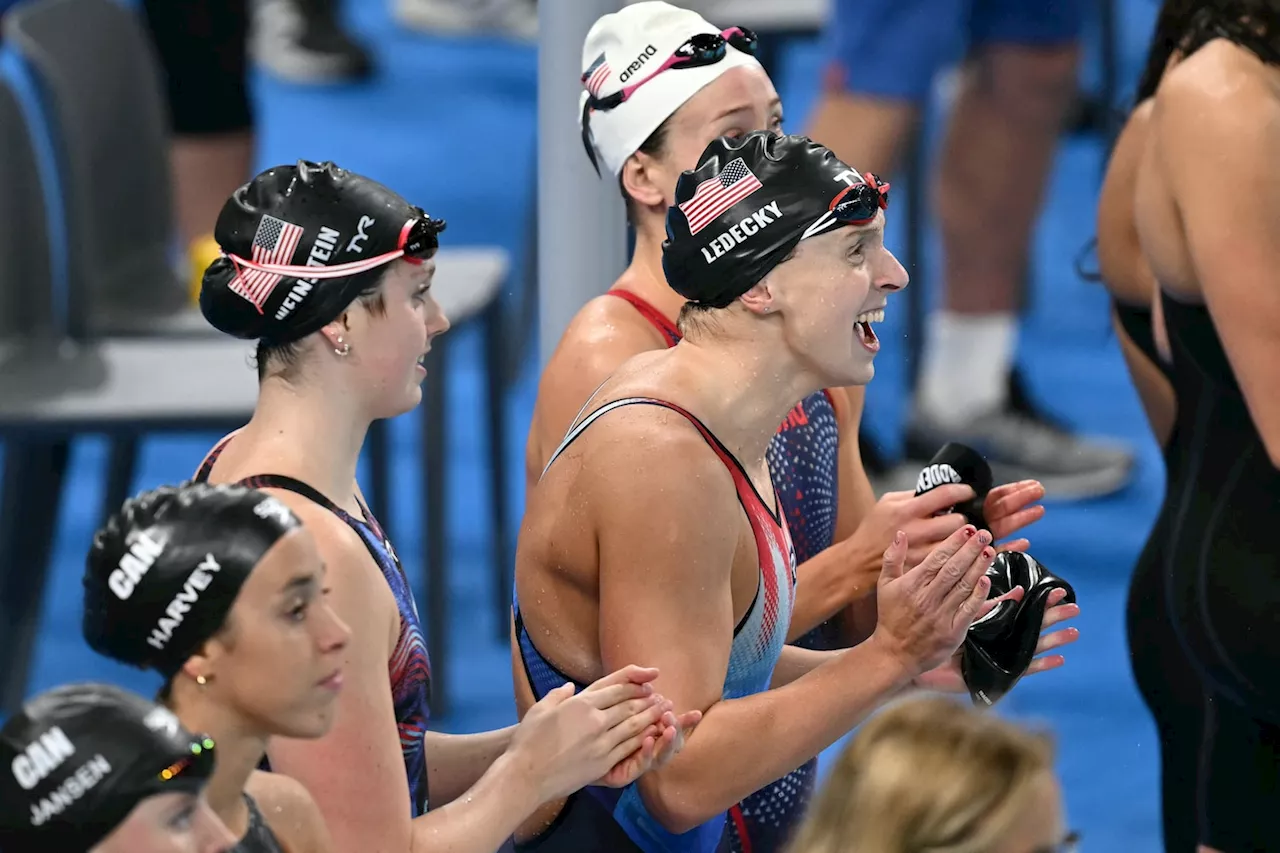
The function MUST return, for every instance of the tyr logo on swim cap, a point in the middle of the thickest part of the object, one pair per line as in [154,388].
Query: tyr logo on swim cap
[749,202]
[300,243]
[640,64]
[76,760]
[200,543]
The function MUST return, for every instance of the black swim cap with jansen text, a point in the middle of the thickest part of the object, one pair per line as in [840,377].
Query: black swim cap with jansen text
[749,203]
[164,571]
[75,761]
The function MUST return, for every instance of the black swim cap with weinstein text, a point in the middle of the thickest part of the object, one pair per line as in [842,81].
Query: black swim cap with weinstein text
[748,204]
[300,243]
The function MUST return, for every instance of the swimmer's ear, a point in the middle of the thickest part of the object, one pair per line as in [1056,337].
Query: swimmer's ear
[759,299]
[336,332]
[199,667]
[642,180]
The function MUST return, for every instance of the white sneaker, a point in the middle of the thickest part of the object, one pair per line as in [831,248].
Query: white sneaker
[516,19]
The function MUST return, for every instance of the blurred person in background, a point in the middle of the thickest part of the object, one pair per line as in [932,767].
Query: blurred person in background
[91,768]
[930,774]
[1017,84]
[306,41]
[203,55]
[331,273]
[516,19]
[1205,205]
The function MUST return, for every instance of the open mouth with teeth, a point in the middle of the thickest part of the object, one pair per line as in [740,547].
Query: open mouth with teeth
[866,335]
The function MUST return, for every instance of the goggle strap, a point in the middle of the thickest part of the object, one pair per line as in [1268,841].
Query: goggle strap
[335,271]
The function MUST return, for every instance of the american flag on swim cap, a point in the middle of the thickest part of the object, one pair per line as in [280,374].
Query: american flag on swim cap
[274,243]
[716,195]
[595,76]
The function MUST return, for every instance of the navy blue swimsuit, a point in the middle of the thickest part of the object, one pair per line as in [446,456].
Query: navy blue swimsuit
[409,667]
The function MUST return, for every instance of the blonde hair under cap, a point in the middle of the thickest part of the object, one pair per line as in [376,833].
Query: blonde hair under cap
[632,42]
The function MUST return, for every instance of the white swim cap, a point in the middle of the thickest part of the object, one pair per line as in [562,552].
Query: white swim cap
[621,49]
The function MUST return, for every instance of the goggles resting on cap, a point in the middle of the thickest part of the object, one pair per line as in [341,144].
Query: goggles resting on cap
[858,204]
[702,49]
[419,237]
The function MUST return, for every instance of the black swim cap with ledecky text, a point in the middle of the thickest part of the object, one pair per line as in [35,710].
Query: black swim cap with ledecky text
[749,203]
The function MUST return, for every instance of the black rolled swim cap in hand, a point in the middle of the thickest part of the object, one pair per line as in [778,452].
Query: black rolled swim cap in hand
[164,571]
[1000,647]
[749,204]
[300,243]
[76,760]
[956,463]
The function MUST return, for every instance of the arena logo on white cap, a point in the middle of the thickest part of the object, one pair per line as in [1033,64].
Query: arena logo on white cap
[619,51]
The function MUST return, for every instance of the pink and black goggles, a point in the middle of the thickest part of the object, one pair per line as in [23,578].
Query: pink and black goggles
[419,238]
[702,49]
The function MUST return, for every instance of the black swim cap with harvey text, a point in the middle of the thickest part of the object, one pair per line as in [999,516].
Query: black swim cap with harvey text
[164,571]
[746,206]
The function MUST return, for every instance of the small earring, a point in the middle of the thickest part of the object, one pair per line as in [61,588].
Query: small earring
[201,680]
[342,349]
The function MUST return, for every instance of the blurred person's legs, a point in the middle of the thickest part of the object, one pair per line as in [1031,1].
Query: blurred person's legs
[304,41]
[1015,87]
[513,18]
[202,47]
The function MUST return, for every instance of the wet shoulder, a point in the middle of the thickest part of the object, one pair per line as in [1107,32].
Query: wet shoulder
[359,592]
[1218,79]
[606,331]
[289,811]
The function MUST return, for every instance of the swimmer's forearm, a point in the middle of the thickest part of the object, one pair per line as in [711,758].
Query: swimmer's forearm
[795,662]
[742,745]
[825,584]
[456,762]
[482,818]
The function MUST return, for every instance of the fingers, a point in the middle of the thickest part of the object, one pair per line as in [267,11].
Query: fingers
[668,746]
[964,572]
[1055,612]
[649,709]
[1045,664]
[1013,545]
[943,497]
[1057,640]
[931,565]
[557,695]
[638,752]
[628,674]
[927,532]
[1009,497]
[969,609]
[686,721]
[610,696]
[1007,507]
[895,558]
[1014,594]
[630,718]
[1003,525]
